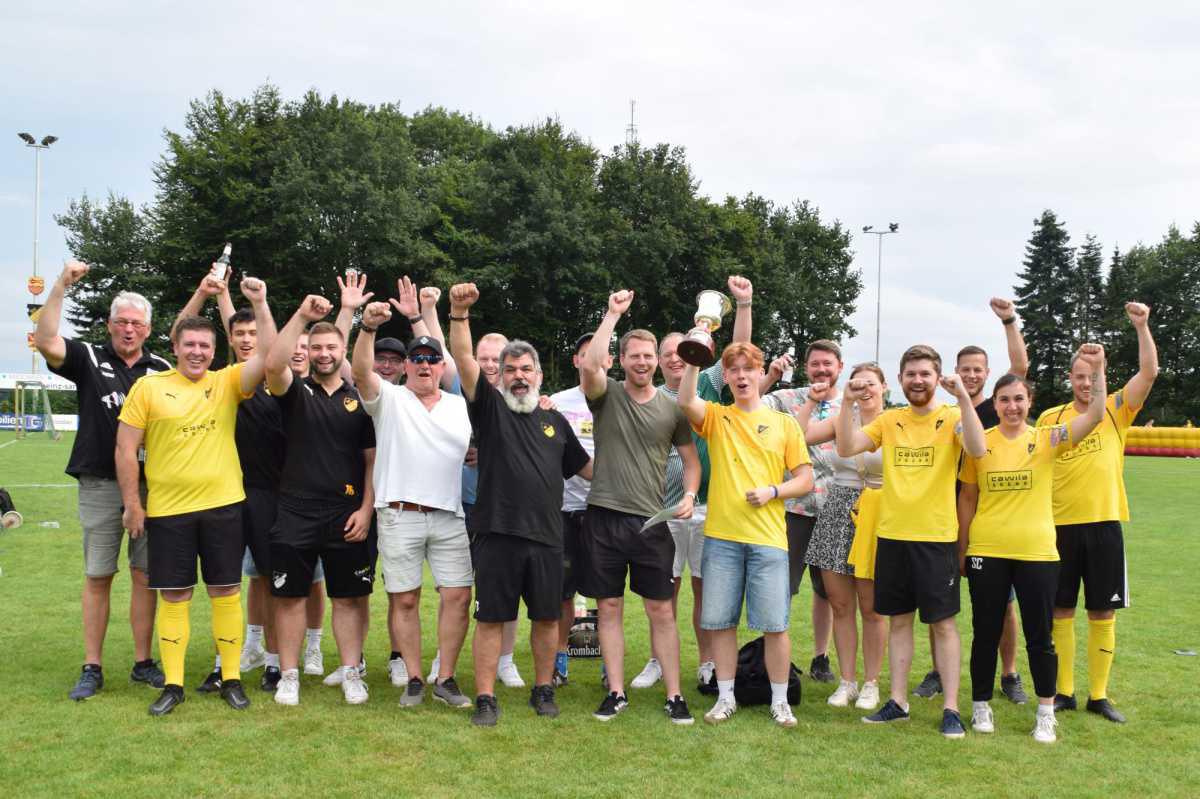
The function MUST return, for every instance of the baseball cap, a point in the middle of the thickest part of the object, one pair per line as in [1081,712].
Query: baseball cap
[428,343]
[390,345]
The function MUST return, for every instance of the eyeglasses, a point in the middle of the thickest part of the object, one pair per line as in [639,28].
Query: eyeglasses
[134,323]
[429,358]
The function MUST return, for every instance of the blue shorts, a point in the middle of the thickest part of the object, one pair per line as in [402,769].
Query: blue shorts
[250,570]
[756,573]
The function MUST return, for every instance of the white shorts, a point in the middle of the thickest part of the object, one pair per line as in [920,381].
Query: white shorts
[689,542]
[408,537]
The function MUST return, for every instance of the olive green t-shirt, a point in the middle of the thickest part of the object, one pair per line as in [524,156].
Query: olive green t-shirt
[632,443]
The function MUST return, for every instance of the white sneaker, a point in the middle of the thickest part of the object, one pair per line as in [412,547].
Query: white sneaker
[335,677]
[253,658]
[868,696]
[782,713]
[509,675]
[705,672]
[1044,729]
[434,669]
[353,687]
[648,676]
[981,719]
[287,692]
[398,672]
[314,661]
[723,710]
[846,693]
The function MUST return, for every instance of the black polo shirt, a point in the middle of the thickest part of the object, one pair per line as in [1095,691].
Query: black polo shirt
[102,380]
[326,435]
[261,444]
[523,460]
[986,411]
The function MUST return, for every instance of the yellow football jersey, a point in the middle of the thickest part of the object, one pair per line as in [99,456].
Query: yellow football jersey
[1089,480]
[748,450]
[920,459]
[1014,518]
[191,458]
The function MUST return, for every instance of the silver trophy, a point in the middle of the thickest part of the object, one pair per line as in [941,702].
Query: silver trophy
[697,347]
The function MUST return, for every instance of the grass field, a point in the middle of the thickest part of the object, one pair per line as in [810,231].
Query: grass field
[109,746]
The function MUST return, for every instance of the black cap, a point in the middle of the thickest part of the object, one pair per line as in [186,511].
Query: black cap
[390,345]
[427,342]
[584,339]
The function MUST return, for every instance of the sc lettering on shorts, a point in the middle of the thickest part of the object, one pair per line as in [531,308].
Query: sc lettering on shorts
[913,456]
[1088,446]
[1021,480]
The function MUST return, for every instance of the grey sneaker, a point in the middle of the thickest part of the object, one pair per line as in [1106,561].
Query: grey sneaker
[91,680]
[487,713]
[541,699]
[447,691]
[930,686]
[1010,684]
[414,694]
[148,673]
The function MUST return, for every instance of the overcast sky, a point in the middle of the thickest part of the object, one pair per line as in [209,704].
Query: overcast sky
[960,123]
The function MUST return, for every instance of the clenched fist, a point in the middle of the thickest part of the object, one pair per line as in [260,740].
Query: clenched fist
[1093,356]
[314,308]
[740,288]
[462,297]
[1002,308]
[376,314]
[619,301]
[254,289]
[73,272]
[1138,313]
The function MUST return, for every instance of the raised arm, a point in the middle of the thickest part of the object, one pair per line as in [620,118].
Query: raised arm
[1018,358]
[129,440]
[693,407]
[1138,387]
[255,290]
[743,296]
[462,297]
[209,287]
[1093,356]
[279,373]
[366,381]
[50,344]
[226,309]
[973,441]
[774,373]
[593,377]
[353,296]
[851,440]
[428,298]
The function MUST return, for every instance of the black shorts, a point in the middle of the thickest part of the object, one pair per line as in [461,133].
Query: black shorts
[511,568]
[572,530]
[214,535]
[305,531]
[917,575]
[258,517]
[610,545]
[799,533]
[1094,553]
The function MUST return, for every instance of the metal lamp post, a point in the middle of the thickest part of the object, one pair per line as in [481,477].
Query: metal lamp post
[893,227]
[37,146]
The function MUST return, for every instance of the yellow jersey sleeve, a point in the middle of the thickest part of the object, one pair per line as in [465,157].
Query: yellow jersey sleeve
[795,452]
[135,410]
[874,430]
[966,472]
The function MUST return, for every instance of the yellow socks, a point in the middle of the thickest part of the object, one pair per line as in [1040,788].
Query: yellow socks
[1064,644]
[227,629]
[1102,641]
[174,628]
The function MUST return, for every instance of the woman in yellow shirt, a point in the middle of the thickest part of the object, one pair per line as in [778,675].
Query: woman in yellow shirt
[1007,537]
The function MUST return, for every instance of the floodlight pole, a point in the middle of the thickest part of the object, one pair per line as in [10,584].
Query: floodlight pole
[892,228]
[37,201]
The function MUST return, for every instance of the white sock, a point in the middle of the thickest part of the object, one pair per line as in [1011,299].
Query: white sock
[217,663]
[314,637]
[254,634]
[725,690]
[272,660]
[1045,710]
[778,692]
[506,660]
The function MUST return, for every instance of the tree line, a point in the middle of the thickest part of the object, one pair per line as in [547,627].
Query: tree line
[1067,295]
[541,220]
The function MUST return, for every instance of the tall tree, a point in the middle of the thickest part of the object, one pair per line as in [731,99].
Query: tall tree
[1044,301]
[1088,289]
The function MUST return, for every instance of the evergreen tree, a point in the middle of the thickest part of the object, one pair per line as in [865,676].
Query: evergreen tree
[1044,300]
[1089,289]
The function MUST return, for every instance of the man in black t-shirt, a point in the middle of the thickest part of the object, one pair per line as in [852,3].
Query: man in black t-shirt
[326,498]
[525,453]
[103,374]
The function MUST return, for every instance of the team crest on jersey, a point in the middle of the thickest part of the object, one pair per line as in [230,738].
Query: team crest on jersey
[351,404]
[762,428]
[938,425]
[208,393]
[1031,447]
[548,429]
[349,490]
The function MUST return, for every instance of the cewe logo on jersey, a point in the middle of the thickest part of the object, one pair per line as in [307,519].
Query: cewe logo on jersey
[912,456]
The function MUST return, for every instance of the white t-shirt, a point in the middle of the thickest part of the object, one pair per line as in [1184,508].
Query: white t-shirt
[572,404]
[419,452]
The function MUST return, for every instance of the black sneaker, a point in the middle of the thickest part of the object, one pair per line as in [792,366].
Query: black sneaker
[1064,702]
[171,696]
[487,713]
[211,684]
[677,710]
[414,694]
[270,679]
[1010,685]
[541,699]
[1105,709]
[952,725]
[148,673]
[234,694]
[819,669]
[91,680]
[611,706]
[888,713]
[930,687]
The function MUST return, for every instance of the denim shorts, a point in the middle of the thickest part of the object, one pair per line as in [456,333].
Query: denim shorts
[753,571]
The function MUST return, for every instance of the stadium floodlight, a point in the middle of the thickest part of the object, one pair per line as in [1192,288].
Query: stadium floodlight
[893,227]
[25,137]
[48,140]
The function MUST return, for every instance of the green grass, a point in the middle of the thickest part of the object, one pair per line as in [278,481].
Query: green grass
[109,746]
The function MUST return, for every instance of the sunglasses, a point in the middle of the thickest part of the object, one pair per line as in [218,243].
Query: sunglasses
[430,358]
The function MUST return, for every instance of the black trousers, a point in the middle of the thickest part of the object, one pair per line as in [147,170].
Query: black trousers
[1035,583]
